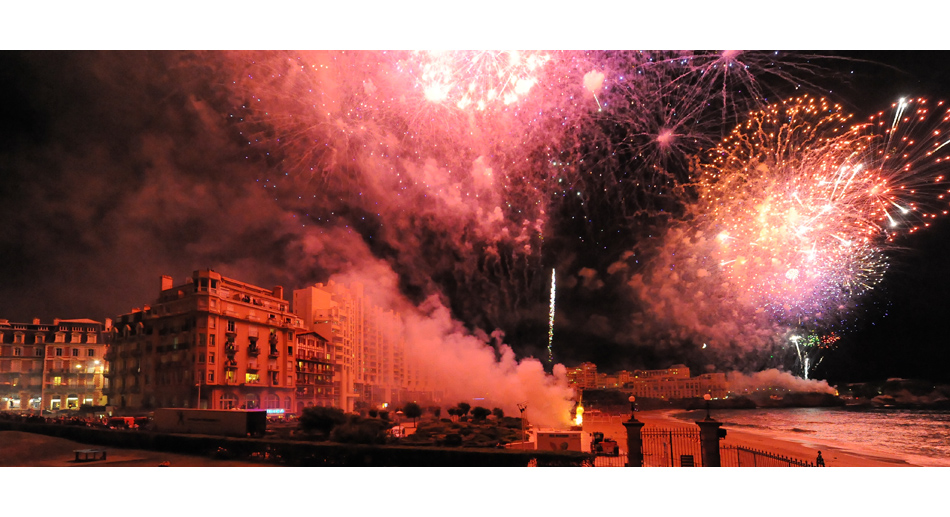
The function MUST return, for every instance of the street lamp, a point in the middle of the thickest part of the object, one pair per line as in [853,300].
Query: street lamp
[522,407]
[633,407]
[707,397]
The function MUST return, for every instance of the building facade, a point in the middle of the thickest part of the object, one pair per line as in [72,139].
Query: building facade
[212,342]
[372,362]
[314,371]
[58,366]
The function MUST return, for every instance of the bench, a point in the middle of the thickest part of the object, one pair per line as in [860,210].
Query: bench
[83,455]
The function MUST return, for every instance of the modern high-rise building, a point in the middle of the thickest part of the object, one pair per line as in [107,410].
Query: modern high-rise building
[335,311]
[58,366]
[212,342]
[372,362]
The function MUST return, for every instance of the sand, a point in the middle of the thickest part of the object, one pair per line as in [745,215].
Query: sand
[835,454]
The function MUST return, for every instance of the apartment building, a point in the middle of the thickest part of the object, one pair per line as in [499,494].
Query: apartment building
[58,366]
[211,342]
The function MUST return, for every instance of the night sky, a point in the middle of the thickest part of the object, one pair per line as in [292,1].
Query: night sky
[120,167]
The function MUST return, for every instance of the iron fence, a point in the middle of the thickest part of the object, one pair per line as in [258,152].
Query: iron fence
[671,447]
[738,456]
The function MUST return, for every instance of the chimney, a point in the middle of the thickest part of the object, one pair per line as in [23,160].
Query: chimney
[166,282]
[279,292]
[108,324]
[36,321]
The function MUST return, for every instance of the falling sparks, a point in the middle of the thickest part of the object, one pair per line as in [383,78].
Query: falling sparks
[551,317]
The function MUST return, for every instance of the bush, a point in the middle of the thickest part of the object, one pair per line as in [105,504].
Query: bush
[479,413]
[320,419]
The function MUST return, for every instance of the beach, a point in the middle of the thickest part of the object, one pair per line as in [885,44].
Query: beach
[835,454]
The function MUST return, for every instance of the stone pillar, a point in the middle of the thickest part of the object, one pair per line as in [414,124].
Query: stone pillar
[634,442]
[709,442]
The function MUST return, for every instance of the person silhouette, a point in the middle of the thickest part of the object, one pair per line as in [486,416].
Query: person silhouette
[819,462]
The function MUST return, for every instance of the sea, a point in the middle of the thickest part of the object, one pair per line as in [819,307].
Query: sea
[918,436]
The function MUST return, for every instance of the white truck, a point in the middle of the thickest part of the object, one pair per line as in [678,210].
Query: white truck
[226,422]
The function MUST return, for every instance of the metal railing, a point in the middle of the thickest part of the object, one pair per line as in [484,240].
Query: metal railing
[739,456]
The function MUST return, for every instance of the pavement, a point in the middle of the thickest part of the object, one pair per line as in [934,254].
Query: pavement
[21,449]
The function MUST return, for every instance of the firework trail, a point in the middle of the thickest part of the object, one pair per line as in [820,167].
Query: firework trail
[551,317]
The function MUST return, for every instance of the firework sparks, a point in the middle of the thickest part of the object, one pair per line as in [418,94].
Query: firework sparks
[803,200]
[551,317]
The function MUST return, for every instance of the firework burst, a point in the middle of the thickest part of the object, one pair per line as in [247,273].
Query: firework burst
[804,202]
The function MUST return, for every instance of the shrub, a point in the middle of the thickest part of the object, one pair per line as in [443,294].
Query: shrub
[320,419]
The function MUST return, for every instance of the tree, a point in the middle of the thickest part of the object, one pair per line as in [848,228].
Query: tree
[321,419]
[413,411]
[479,413]
[498,413]
[463,408]
[453,412]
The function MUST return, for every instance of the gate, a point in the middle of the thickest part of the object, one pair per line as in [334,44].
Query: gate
[678,447]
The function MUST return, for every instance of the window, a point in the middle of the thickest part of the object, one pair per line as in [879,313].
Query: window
[275,378]
[90,352]
[17,351]
[39,338]
[38,351]
[59,352]
[60,337]
[252,378]
[91,337]
[75,352]
[201,358]
[210,375]
[18,337]
[231,326]
[227,401]
[210,357]
[57,381]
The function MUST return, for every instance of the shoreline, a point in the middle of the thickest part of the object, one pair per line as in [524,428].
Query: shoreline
[835,454]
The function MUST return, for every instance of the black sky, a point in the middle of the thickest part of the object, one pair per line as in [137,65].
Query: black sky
[119,167]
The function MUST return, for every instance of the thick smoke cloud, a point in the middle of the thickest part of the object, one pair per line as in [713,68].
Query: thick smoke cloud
[748,383]
[138,169]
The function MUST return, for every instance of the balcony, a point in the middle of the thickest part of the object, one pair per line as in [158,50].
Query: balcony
[253,351]
[230,349]
[230,365]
